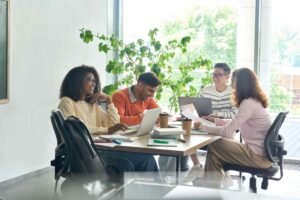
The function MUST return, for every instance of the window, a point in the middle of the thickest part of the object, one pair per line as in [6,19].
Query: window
[252,33]
[212,26]
[3,51]
[280,65]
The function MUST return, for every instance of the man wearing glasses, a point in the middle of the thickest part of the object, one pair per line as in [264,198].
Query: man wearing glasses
[220,92]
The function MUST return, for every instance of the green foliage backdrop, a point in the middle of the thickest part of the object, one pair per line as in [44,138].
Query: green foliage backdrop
[153,55]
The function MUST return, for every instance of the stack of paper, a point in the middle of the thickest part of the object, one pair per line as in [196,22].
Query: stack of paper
[168,131]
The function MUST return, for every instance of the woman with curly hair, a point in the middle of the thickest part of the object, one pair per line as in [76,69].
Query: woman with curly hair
[253,121]
[80,95]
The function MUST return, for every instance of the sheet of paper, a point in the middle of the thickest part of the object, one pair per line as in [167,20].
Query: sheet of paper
[189,111]
[206,122]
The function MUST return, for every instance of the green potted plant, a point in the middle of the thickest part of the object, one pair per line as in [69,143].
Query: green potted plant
[170,61]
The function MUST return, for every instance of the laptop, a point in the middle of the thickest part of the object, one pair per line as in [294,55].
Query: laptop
[203,105]
[147,123]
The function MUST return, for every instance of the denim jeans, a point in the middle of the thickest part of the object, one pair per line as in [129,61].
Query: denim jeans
[125,161]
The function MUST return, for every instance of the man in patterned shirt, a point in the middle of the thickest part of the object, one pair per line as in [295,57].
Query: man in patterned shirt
[220,92]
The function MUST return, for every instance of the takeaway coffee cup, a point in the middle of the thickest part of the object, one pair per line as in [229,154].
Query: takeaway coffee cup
[163,120]
[187,125]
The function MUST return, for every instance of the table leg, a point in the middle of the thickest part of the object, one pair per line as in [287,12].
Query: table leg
[178,168]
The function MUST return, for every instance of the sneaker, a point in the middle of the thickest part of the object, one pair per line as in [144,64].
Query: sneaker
[193,173]
[204,183]
[227,180]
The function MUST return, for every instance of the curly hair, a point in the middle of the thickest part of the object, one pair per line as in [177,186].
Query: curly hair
[246,85]
[72,85]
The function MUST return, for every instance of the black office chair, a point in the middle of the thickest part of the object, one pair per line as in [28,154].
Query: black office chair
[273,144]
[61,162]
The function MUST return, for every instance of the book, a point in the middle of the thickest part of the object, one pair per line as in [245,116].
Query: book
[198,132]
[162,142]
[158,136]
[116,137]
[168,131]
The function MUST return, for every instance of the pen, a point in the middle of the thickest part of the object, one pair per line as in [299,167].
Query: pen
[160,141]
[116,141]
[181,140]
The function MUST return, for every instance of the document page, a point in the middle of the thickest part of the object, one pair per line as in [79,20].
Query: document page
[189,111]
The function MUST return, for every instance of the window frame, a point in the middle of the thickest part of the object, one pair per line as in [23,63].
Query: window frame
[5,99]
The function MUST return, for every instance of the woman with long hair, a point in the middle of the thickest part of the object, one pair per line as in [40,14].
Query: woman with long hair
[80,95]
[253,121]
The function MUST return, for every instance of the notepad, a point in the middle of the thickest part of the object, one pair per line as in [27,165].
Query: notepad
[198,132]
[206,122]
[162,142]
[168,131]
[116,137]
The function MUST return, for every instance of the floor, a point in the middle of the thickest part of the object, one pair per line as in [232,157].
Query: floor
[41,187]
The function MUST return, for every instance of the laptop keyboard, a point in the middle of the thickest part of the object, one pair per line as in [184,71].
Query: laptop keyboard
[130,131]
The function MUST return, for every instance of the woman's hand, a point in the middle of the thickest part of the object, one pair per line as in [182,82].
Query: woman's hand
[99,97]
[209,118]
[197,125]
[117,127]
[104,97]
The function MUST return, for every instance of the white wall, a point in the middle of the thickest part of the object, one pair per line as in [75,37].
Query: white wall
[44,45]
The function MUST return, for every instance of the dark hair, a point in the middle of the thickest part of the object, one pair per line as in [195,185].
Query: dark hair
[247,86]
[72,85]
[149,78]
[223,66]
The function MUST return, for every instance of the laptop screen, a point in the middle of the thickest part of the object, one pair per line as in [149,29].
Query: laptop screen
[148,122]
[203,105]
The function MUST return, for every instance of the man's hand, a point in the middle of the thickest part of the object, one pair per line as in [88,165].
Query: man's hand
[117,127]
[141,115]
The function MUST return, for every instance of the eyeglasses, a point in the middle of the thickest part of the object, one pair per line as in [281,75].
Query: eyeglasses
[217,75]
[91,80]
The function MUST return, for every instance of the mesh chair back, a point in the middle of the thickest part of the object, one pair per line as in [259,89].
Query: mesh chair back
[273,142]
[57,120]
[62,154]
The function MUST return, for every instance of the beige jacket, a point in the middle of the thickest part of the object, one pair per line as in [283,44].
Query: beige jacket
[92,115]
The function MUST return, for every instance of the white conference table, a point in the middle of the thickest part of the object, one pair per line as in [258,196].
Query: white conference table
[192,143]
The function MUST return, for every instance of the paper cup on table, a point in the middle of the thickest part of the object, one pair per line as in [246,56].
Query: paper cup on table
[163,120]
[187,126]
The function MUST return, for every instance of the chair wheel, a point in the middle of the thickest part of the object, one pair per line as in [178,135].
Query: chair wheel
[253,184]
[243,178]
[264,184]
